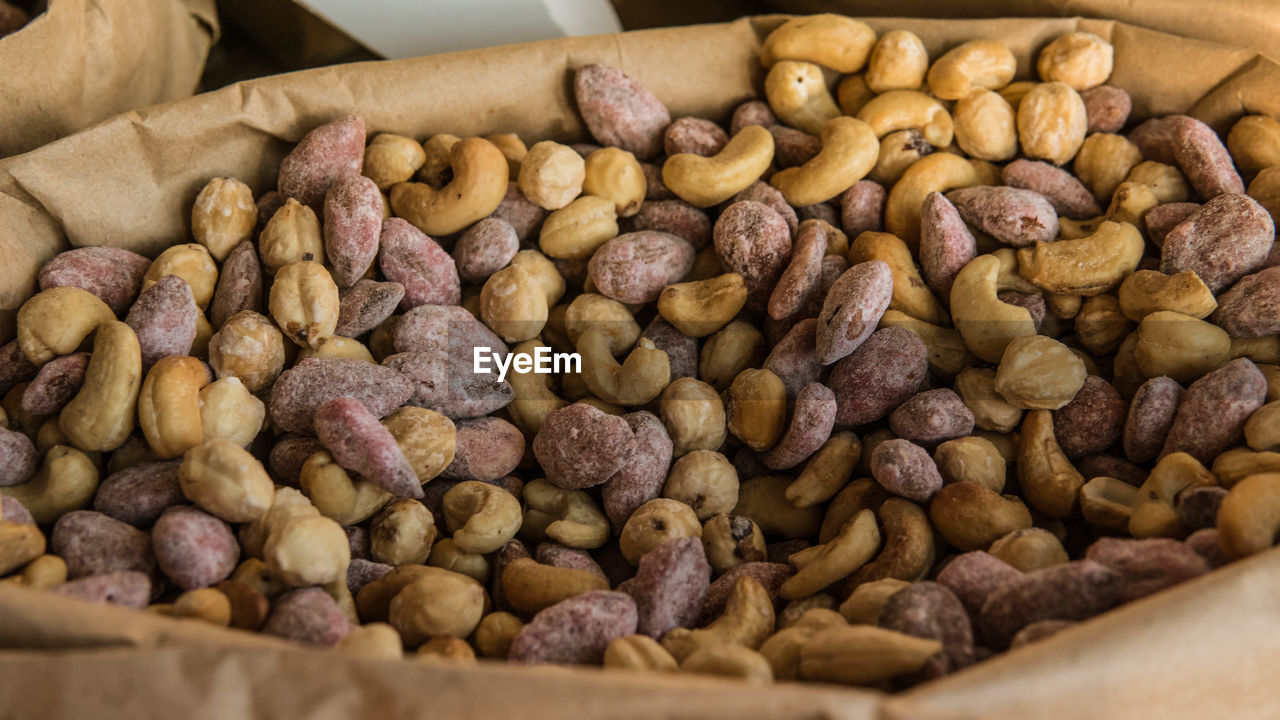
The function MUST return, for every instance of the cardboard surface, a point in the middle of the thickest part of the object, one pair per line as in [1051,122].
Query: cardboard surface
[130,182]
[86,60]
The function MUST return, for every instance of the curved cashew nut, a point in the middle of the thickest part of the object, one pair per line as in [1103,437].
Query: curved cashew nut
[445,554]
[1008,277]
[479,184]
[706,181]
[747,620]
[782,649]
[530,586]
[1107,502]
[849,151]
[864,604]
[733,661]
[638,652]
[66,481]
[863,654]
[906,109]
[1088,266]
[169,405]
[100,416]
[797,92]
[1250,515]
[834,41]
[332,491]
[856,544]
[1050,483]
[534,399]
[1180,346]
[639,379]
[1153,514]
[1148,291]
[701,307]
[976,64]
[570,517]
[971,516]
[482,517]
[55,321]
[938,172]
[986,324]
[908,550]
[827,471]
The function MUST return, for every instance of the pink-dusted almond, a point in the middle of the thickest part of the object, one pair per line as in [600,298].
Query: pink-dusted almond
[751,112]
[1092,421]
[325,155]
[125,588]
[635,267]
[13,511]
[140,493]
[485,248]
[239,285]
[1225,239]
[880,375]
[753,240]
[361,572]
[448,384]
[852,309]
[1163,218]
[792,147]
[654,187]
[1107,108]
[581,446]
[18,458]
[352,224]
[366,305]
[575,631]
[973,576]
[1211,416]
[764,193]
[1066,591]
[794,358]
[676,217]
[289,454]
[1251,308]
[641,478]
[694,135]
[57,382]
[164,319]
[14,366]
[862,208]
[309,616]
[1033,304]
[932,417]
[770,575]
[303,388]
[112,274]
[1154,139]
[1068,196]
[904,468]
[192,548]
[811,423]
[485,449]
[92,544]
[801,282]
[563,556]
[619,111]
[681,350]
[1148,565]
[946,244]
[360,443]
[1203,158]
[407,256]
[1013,216]
[524,215]
[670,585]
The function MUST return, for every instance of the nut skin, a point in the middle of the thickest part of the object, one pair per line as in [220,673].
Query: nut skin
[114,275]
[575,631]
[619,111]
[325,154]
[1228,395]
[1070,591]
[580,446]
[1225,239]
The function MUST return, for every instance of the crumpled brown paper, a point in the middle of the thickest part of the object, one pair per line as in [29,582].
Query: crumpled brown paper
[86,60]
[1253,24]
[1204,648]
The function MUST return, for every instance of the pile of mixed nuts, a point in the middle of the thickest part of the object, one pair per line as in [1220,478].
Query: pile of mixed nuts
[863,389]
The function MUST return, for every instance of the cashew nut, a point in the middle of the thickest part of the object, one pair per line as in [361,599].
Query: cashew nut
[856,544]
[747,620]
[479,184]
[834,41]
[1087,266]
[908,551]
[54,322]
[66,481]
[908,109]
[976,64]
[1050,483]
[570,517]
[100,416]
[332,491]
[578,229]
[638,652]
[1107,503]
[1180,346]
[1249,516]
[733,661]
[639,379]
[482,517]
[797,92]
[530,586]
[169,407]
[849,152]
[910,293]
[863,654]
[826,472]
[706,181]
[971,516]
[986,323]
[534,399]
[702,307]
[938,172]
[1153,514]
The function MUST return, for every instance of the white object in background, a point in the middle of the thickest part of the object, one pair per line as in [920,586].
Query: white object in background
[410,28]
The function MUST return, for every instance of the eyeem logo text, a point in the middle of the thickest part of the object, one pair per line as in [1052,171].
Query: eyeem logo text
[542,361]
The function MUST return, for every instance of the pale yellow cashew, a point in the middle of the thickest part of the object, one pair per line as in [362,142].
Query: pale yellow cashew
[1088,266]
[54,322]
[570,517]
[100,416]
[639,379]
[169,405]
[835,41]
[849,151]
[856,544]
[904,109]
[479,184]
[986,323]
[706,181]
[798,94]
[938,172]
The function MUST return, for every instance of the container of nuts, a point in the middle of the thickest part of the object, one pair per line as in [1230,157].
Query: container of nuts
[805,367]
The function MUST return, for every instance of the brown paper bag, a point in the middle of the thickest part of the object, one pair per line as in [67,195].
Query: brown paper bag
[130,182]
[1252,24]
[85,60]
